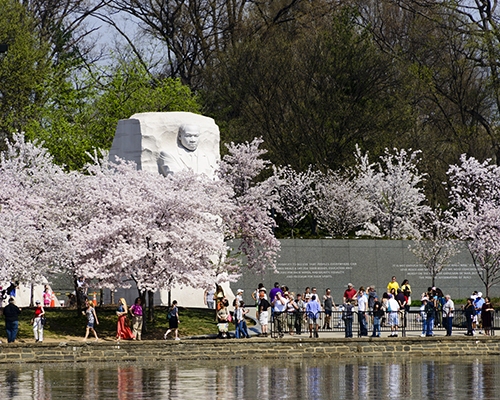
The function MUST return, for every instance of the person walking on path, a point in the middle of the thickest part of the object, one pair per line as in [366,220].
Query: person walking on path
[448,308]
[91,320]
[137,315]
[173,321]
[36,321]
[123,326]
[11,313]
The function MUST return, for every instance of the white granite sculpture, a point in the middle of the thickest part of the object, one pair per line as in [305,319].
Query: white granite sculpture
[168,142]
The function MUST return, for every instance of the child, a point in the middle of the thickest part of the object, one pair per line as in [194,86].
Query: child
[91,318]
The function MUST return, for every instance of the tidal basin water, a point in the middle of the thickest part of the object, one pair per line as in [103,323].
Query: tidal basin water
[417,378]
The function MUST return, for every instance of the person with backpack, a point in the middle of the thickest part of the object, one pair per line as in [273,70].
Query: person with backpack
[430,311]
[347,316]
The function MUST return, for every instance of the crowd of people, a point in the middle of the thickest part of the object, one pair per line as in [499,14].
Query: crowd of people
[296,313]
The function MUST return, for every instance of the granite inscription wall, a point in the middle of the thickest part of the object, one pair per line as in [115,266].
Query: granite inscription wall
[327,263]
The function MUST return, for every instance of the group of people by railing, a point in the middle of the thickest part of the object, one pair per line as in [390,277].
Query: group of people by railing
[297,313]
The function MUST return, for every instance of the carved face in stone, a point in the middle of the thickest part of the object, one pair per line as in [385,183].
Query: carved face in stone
[189,136]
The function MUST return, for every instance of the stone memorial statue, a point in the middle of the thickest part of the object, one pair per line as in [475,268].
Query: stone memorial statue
[168,142]
[186,155]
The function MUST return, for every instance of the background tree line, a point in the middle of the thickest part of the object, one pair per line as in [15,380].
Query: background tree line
[312,78]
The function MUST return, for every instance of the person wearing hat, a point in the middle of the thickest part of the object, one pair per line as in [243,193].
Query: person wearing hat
[350,293]
[11,313]
[36,321]
[478,306]
[423,315]
[239,296]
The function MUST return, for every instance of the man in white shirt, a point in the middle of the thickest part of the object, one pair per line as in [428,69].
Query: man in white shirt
[393,308]
[362,307]
[448,308]
[279,304]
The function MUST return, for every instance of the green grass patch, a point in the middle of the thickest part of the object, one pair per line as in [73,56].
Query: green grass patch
[67,324]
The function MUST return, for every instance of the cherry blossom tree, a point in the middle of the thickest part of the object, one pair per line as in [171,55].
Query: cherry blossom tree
[394,189]
[474,189]
[296,194]
[435,246]
[113,222]
[28,242]
[339,207]
[250,220]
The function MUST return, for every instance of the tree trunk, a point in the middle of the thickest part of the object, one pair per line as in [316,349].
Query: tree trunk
[150,306]
[112,297]
[101,299]
[32,294]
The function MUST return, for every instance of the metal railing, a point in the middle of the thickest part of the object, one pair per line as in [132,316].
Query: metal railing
[297,323]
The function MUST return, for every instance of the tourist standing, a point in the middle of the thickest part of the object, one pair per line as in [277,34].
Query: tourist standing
[301,308]
[241,325]
[291,310]
[347,316]
[372,298]
[209,297]
[423,315]
[36,321]
[448,308]
[362,307]
[11,313]
[91,320]
[392,285]
[378,313]
[264,306]
[173,320]
[328,304]
[122,328]
[279,305]
[469,312]
[255,295]
[487,316]
[350,293]
[430,310]
[274,291]
[137,316]
[401,299]
[478,306]
[393,309]
[406,288]
[313,311]
[47,296]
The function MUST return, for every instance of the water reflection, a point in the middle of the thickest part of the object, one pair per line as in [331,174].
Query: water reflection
[471,378]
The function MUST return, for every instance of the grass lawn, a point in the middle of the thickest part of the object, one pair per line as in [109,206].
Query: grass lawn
[66,324]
